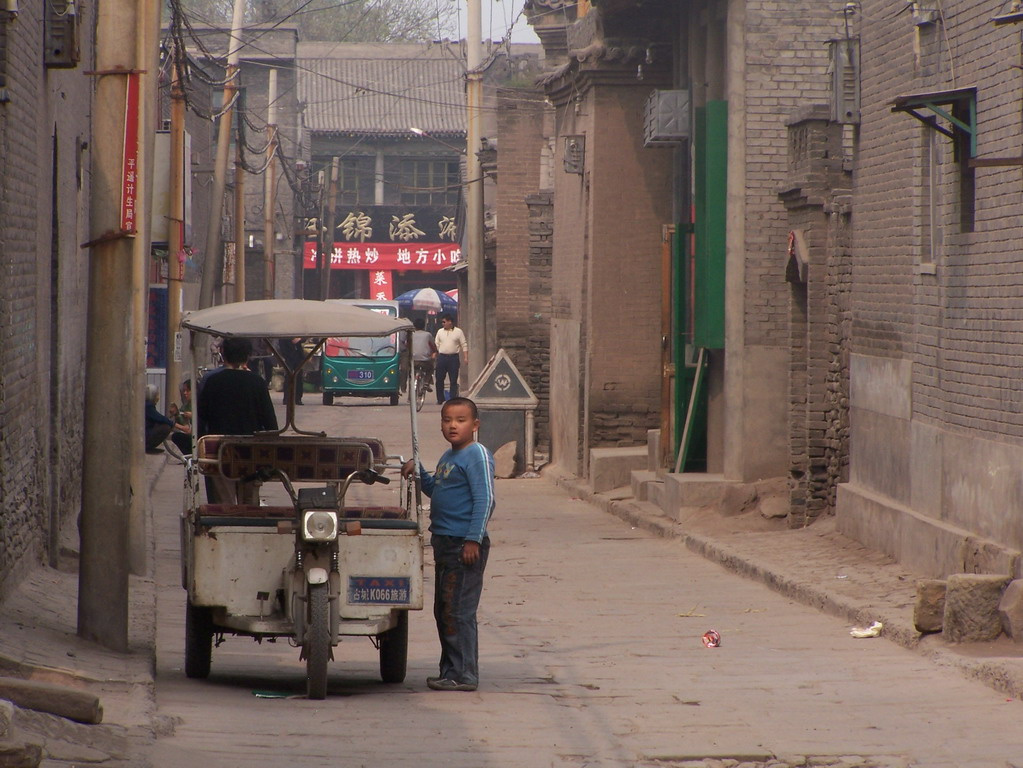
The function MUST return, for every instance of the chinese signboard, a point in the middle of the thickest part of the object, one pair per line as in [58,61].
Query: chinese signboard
[428,257]
[385,237]
[381,285]
[130,159]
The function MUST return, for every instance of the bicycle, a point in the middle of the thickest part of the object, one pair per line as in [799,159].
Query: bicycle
[423,378]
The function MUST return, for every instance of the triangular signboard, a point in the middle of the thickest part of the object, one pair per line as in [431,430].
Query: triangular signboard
[500,385]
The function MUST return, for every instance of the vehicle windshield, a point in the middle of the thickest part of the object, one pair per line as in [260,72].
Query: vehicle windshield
[361,346]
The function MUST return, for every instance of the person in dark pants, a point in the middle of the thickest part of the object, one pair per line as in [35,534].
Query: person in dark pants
[461,495]
[293,354]
[452,348]
[182,416]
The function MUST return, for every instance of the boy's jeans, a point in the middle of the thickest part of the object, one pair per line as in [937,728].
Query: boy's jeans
[457,590]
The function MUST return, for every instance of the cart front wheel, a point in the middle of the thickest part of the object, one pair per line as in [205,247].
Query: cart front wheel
[394,399]
[317,642]
[394,651]
[198,641]
[328,398]
[420,392]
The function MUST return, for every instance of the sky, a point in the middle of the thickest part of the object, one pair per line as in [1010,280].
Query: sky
[497,17]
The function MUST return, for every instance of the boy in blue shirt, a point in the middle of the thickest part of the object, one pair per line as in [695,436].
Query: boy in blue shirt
[461,492]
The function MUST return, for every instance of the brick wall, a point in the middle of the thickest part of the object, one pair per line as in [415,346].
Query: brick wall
[816,196]
[958,322]
[42,290]
[631,199]
[524,245]
[786,66]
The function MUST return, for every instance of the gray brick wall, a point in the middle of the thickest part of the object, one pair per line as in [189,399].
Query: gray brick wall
[525,222]
[42,290]
[960,326]
[786,66]
[816,195]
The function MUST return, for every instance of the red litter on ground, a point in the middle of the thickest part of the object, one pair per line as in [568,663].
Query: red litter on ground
[711,639]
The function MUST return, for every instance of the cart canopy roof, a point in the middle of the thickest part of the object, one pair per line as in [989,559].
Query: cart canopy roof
[281,318]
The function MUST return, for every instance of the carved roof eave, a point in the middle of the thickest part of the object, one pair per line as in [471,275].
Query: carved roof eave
[606,65]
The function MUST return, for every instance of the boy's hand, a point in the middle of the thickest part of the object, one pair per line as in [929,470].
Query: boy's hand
[408,468]
[470,552]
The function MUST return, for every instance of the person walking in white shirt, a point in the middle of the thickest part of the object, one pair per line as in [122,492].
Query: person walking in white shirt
[452,348]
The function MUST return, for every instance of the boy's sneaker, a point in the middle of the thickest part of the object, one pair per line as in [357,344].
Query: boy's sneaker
[444,684]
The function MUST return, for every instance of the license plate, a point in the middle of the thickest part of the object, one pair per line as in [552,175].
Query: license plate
[360,375]
[379,590]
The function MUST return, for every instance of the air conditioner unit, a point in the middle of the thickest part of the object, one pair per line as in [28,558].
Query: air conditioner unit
[666,118]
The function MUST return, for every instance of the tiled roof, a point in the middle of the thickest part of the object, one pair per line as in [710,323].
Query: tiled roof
[380,89]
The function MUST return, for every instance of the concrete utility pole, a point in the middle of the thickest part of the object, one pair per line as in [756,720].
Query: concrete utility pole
[115,339]
[147,59]
[212,261]
[239,219]
[475,321]
[176,227]
[268,186]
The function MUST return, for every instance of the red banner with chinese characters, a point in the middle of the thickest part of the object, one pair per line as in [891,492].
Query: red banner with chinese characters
[428,257]
[130,158]
[381,287]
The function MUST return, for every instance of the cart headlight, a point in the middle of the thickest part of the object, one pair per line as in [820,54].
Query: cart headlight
[319,525]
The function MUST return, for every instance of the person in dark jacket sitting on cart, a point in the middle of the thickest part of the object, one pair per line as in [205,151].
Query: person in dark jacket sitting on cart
[235,401]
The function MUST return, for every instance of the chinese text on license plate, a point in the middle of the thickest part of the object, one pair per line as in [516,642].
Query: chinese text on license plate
[379,590]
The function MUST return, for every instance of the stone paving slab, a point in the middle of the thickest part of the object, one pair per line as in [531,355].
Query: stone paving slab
[814,566]
[823,569]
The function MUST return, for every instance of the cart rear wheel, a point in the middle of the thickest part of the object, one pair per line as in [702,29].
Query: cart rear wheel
[198,641]
[317,642]
[394,651]
[328,398]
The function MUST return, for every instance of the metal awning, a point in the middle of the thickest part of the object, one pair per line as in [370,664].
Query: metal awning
[957,107]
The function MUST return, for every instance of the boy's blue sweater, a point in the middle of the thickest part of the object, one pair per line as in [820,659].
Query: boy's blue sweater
[461,492]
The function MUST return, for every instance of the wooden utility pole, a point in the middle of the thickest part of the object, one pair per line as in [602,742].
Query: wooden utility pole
[475,321]
[114,336]
[212,261]
[268,186]
[328,227]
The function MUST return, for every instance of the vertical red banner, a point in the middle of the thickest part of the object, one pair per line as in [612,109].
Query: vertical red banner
[381,287]
[130,160]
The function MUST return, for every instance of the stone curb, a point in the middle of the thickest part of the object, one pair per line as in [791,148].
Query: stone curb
[998,675]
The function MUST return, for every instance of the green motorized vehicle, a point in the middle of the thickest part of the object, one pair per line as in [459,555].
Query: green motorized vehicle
[352,366]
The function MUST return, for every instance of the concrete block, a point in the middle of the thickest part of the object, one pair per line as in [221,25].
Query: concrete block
[612,467]
[653,449]
[1010,610]
[640,482]
[929,611]
[655,493]
[971,607]
[984,556]
[694,490]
